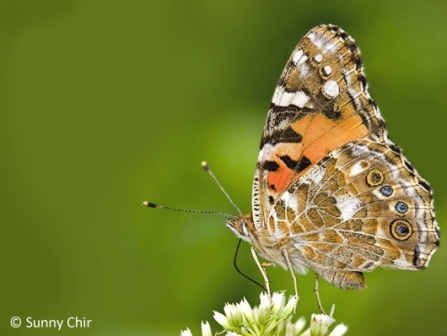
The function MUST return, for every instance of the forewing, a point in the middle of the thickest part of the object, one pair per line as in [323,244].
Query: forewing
[320,103]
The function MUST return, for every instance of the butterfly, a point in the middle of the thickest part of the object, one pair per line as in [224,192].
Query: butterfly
[331,191]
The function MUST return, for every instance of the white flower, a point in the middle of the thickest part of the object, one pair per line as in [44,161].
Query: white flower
[291,305]
[206,329]
[299,325]
[339,330]
[264,308]
[320,323]
[222,320]
[234,315]
[279,300]
[186,332]
[246,310]
[273,317]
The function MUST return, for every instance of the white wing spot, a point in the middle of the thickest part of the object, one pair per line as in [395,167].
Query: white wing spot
[327,69]
[300,99]
[277,96]
[311,36]
[302,60]
[284,99]
[315,175]
[359,168]
[349,207]
[318,58]
[328,47]
[293,203]
[331,88]
[305,71]
[265,152]
[318,42]
[297,56]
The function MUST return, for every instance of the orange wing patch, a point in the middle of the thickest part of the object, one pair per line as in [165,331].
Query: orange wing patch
[321,136]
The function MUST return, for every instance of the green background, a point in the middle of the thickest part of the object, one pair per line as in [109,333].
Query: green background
[105,104]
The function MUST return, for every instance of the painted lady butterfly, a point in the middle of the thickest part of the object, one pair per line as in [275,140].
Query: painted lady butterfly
[331,192]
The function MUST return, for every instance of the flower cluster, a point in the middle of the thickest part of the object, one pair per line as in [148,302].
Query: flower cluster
[273,317]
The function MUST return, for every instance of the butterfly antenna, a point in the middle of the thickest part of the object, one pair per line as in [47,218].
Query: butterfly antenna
[208,170]
[153,205]
[242,273]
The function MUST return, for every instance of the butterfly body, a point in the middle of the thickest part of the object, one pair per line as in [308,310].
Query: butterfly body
[331,192]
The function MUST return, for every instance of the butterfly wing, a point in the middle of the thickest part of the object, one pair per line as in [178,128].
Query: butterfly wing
[323,151]
[320,103]
[359,208]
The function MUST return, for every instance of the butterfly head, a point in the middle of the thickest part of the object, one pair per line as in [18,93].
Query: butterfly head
[242,226]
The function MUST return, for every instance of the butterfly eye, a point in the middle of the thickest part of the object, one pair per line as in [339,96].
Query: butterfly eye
[374,178]
[401,229]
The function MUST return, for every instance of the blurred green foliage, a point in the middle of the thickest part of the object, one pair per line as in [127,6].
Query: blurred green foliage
[105,104]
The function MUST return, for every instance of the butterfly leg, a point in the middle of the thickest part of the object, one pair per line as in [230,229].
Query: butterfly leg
[295,286]
[263,272]
[317,294]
